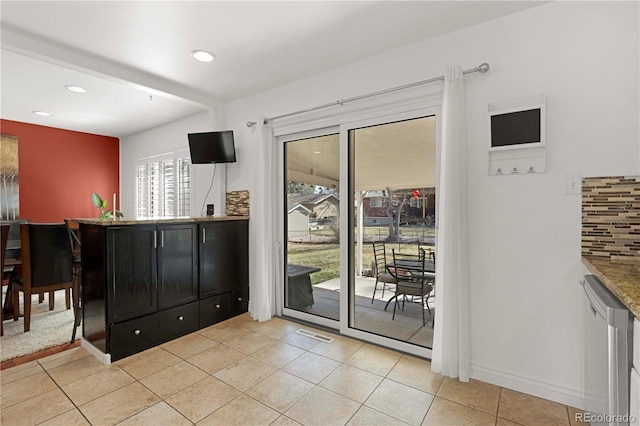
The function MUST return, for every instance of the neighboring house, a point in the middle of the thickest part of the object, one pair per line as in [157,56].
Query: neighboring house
[420,210]
[322,207]
[298,221]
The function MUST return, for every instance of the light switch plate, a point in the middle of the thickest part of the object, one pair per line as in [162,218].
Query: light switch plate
[573,183]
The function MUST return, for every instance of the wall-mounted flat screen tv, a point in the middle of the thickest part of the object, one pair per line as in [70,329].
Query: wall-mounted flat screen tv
[522,127]
[212,147]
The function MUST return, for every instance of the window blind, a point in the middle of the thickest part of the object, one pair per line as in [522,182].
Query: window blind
[163,188]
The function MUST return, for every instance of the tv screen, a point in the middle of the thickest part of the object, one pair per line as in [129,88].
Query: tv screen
[212,147]
[516,129]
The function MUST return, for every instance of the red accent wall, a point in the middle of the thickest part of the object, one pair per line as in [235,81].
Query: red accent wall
[59,169]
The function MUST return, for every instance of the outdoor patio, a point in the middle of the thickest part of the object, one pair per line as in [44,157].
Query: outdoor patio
[371,317]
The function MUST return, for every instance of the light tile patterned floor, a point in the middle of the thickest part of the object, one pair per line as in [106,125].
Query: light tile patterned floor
[241,372]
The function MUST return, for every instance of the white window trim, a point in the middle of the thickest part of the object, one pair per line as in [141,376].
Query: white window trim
[167,156]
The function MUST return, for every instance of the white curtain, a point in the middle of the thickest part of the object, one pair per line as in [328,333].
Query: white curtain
[450,355]
[263,215]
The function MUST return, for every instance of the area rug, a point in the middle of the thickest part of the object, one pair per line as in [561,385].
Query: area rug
[48,329]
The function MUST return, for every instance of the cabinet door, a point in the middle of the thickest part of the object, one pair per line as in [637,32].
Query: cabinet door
[224,257]
[132,272]
[177,264]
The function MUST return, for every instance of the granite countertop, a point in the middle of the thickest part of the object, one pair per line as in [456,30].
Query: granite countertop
[125,221]
[621,278]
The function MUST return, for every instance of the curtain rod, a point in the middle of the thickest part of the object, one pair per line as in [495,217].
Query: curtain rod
[482,68]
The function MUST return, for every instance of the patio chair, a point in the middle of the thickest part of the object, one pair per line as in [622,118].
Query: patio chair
[382,276]
[412,279]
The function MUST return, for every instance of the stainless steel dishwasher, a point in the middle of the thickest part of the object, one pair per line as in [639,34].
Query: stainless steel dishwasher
[607,356]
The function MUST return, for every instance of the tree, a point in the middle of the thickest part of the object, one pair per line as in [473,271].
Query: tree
[300,188]
[394,212]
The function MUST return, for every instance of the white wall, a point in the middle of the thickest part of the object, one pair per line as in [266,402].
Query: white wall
[525,232]
[168,138]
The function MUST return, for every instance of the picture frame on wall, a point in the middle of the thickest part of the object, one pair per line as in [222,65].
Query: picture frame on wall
[10,178]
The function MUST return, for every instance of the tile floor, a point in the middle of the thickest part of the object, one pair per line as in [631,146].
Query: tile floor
[241,372]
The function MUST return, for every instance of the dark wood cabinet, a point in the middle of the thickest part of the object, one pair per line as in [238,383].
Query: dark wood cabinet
[177,265]
[224,253]
[132,276]
[147,283]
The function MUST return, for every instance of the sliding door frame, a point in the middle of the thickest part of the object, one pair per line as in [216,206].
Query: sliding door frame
[397,106]
[282,220]
[347,255]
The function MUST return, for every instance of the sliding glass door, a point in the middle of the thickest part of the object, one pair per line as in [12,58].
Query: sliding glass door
[344,189]
[312,227]
[392,189]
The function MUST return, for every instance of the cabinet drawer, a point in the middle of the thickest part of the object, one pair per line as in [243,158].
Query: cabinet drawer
[239,301]
[130,337]
[215,309]
[178,321]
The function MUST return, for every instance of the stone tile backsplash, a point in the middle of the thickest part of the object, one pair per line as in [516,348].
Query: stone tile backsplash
[237,203]
[611,217]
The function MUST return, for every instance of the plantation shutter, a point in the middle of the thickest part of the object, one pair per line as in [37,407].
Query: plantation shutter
[163,187]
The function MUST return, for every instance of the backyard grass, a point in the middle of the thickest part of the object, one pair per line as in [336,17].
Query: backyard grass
[326,256]
[323,256]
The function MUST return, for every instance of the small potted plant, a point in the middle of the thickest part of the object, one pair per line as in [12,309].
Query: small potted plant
[102,205]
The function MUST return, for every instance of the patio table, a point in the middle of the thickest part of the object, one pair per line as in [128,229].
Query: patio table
[299,290]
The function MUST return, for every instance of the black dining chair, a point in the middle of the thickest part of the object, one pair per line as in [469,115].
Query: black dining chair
[4,234]
[12,260]
[382,276]
[46,266]
[412,279]
[73,229]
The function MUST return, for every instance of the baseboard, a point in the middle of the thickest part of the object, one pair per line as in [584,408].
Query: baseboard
[101,356]
[529,385]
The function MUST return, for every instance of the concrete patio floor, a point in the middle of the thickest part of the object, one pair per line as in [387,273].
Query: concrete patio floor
[371,317]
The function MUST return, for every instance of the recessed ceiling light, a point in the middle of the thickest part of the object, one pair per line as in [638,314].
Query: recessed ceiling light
[42,113]
[317,152]
[76,89]
[202,56]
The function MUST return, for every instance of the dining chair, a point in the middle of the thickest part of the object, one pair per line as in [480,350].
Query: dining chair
[73,229]
[12,260]
[412,279]
[46,266]
[4,237]
[382,276]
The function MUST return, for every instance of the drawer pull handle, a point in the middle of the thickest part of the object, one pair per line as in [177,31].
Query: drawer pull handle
[136,332]
[217,306]
[239,299]
[180,318]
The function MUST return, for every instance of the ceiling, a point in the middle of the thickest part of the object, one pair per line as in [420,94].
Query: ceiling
[397,155]
[134,59]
